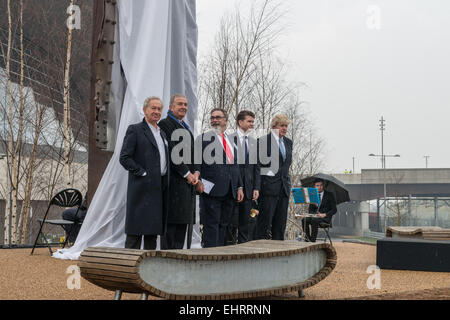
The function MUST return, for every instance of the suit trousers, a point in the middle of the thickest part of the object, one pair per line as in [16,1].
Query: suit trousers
[272,216]
[216,216]
[244,219]
[174,237]
[72,230]
[313,223]
[135,241]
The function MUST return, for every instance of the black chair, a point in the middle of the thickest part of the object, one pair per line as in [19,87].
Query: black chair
[326,227]
[67,198]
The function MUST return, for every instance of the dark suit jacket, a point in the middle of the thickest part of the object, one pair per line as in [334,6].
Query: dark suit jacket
[271,186]
[223,175]
[248,166]
[327,206]
[139,155]
[182,194]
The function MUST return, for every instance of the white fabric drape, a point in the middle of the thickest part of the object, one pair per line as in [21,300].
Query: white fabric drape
[156,45]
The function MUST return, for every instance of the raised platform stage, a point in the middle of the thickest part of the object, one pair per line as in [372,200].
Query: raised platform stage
[254,269]
[413,254]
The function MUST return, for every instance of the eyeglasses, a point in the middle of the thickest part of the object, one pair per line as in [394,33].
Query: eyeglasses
[217,118]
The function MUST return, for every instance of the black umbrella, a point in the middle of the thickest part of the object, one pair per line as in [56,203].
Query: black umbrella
[330,184]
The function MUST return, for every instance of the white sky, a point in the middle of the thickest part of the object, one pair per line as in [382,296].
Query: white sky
[356,74]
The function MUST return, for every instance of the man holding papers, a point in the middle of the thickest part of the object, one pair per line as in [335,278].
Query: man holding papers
[221,183]
[324,212]
[275,180]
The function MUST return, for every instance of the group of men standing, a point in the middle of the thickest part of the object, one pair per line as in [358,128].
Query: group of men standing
[162,189]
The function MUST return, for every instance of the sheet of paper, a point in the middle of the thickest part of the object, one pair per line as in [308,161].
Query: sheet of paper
[208,185]
[268,173]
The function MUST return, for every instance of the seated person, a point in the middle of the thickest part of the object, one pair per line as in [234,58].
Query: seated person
[324,212]
[69,214]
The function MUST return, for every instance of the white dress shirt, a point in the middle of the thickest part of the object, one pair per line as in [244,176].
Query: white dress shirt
[161,147]
[242,136]
[277,137]
[219,136]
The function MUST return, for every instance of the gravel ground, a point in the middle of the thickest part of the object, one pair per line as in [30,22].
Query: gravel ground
[41,277]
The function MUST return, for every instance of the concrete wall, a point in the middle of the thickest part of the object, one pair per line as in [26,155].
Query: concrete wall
[396,176]
[351,219]
[43,179]
[349,178]
[38,211]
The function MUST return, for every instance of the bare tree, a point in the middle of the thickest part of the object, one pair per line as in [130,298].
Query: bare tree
[32,131]
[67,124]
[399,204]
[225,75]
[10,185]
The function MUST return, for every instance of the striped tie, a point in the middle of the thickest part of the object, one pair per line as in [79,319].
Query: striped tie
[227,149]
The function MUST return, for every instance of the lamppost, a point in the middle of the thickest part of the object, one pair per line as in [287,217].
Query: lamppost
[383,162]
[426,161]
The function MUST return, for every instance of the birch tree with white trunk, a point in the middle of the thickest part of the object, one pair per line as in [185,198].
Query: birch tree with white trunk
[66,99]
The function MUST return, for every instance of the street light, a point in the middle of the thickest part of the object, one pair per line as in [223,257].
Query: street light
[383,162]
[426,161]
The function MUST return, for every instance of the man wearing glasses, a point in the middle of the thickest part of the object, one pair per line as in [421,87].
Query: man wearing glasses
[221,184]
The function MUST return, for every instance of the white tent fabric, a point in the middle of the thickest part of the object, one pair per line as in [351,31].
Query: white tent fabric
[157,48]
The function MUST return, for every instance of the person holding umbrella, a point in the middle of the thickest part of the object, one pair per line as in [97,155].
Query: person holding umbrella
[324,212]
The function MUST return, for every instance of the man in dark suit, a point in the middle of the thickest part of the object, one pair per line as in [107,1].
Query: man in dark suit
[324,212]
[250,173]
[76,215]
[275,180]
[184,174]
[219,171]
[145,155]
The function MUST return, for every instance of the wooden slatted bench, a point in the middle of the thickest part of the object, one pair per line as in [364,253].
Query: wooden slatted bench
[426,233]
[254,269]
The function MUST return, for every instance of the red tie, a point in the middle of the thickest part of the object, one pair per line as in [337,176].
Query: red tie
[227,149]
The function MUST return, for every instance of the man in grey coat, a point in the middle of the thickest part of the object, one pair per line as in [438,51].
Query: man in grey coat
[145,156]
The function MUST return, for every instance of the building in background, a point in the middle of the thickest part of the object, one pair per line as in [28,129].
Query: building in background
[415,197]
[44,64]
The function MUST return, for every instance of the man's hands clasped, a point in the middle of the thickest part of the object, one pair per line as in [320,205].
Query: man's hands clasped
[193,178]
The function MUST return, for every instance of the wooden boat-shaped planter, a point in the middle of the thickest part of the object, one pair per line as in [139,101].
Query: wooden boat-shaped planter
[254,269]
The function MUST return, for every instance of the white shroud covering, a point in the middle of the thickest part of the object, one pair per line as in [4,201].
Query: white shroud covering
[156,44]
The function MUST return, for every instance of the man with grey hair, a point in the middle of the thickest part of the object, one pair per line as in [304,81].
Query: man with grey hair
[145,156]
[184,177]
[275,185]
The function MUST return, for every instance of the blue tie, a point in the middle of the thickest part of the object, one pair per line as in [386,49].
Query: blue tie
[282,149]
[246,150]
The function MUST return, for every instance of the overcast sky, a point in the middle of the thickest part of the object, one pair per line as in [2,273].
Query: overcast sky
[362,60]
